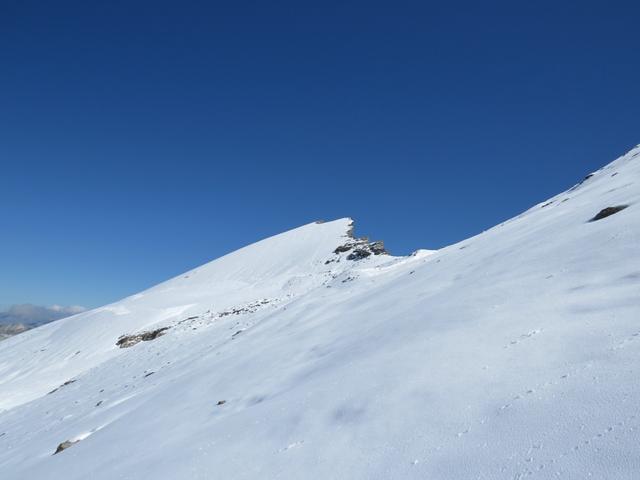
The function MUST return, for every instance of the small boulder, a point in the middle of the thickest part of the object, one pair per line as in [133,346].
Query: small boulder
[606,212]
[64,445]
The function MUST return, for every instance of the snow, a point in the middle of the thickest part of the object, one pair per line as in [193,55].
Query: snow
[512,354]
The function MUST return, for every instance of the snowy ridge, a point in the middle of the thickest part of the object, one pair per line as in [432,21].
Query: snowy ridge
[512,354]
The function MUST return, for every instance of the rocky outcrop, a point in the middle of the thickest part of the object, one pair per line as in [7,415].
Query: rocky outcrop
[360,248]
[358,254]
[127,341]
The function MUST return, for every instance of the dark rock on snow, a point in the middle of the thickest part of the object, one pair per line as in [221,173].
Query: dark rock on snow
[68,382]
[64,445]
[360,248]
[606,212]
[358,254]
[127,341]
[343,248]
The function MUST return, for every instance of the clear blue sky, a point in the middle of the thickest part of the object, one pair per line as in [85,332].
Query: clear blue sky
[141,139]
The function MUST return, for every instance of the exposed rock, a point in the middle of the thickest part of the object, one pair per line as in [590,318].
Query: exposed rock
[358,254]
[577,185]
[127,341]
[377,248]
[606,212]
[68,382]
[221,402]
[249,308]
[350,230]
[64,445]
[360,248]
[343,248]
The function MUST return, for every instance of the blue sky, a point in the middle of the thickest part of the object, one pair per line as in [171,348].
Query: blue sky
[141,139]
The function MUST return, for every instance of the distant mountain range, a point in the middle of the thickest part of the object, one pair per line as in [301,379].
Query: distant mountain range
[20,318]
[12,329]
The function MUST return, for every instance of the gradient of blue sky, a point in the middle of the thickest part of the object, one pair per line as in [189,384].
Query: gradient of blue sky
[141,139]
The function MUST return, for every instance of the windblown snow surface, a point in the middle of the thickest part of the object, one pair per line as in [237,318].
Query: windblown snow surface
[513,354]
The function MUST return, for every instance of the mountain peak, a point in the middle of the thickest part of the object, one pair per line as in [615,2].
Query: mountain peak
[314,354]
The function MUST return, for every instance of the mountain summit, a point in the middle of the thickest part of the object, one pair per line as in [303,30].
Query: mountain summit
[315,354]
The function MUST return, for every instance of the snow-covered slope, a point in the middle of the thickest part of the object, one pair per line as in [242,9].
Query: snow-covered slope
[513,354]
